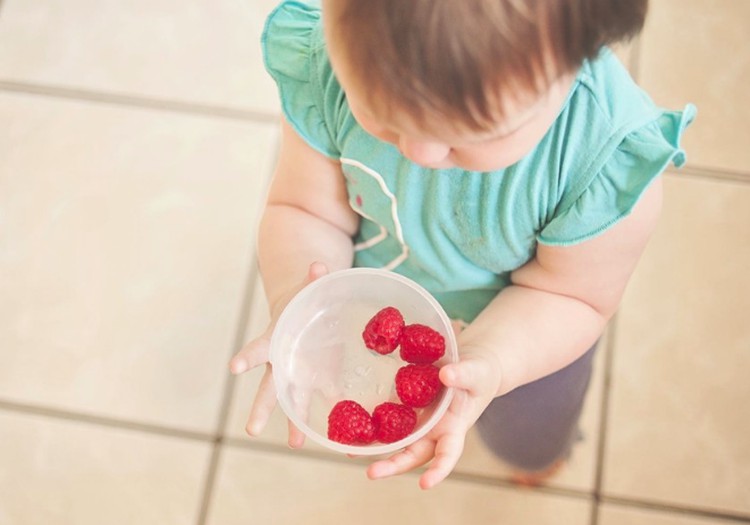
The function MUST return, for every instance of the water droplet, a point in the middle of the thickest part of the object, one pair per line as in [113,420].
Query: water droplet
[362,370]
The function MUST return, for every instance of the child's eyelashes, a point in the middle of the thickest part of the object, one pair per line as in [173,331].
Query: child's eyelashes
[496,136]
[457,139]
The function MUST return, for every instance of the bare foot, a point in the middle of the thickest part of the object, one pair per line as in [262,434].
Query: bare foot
[538,477]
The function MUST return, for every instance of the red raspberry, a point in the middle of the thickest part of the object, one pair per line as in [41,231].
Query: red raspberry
[418,385]
[383,331]
[350,424]
[421,344]
[393,422]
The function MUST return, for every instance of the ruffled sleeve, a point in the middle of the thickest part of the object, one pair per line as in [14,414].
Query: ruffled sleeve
[618,184]
[292,48]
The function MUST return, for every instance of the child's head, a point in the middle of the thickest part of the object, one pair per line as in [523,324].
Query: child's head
[461,74]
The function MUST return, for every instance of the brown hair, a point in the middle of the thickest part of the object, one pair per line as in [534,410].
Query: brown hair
[447,56]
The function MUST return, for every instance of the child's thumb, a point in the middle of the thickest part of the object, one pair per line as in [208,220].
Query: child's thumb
[468,374]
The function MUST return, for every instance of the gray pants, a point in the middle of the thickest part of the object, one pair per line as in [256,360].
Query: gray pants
[536,424]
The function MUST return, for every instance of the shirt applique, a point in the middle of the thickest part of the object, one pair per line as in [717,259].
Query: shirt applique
[373,192]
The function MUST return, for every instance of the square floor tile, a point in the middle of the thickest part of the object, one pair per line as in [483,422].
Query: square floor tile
[283,489]
[698,51]
[678,426]
[128,238]
[182,50]
[71,472]
[610,514]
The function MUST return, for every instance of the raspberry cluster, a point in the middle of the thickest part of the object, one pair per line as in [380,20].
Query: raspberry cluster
[417,383]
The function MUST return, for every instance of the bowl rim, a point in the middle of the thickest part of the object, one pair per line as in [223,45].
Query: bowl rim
[374,449]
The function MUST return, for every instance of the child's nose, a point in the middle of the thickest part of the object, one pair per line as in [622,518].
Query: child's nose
[423,152]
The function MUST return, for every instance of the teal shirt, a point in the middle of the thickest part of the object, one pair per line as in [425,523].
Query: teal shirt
[460,233]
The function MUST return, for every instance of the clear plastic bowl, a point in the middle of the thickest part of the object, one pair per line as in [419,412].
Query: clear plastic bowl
[319,357]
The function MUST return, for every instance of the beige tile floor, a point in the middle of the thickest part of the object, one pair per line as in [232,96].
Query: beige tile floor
[136,138]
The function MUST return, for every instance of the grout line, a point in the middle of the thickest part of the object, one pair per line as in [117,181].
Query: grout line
[318,455]
[709,174]
[109,422]
[238,341]
[208,485]
[609,351]
[695,512]
[282,450]
[116,99]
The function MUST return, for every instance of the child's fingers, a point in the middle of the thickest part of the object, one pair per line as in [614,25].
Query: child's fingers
[255,352]
[447,452]
[263,405]
[296,436]
[411,457]
[252,354]
[300,398]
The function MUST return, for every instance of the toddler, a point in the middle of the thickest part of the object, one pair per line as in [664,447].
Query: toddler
[496,152]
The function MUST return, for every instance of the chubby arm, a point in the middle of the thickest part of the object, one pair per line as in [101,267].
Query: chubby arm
[559,302]
[307,218]
[555,309]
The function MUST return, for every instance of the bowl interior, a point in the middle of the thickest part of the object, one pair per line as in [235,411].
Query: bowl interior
[319,358]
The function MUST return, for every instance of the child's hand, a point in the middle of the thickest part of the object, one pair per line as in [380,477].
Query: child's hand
[255,353]
[476,378]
